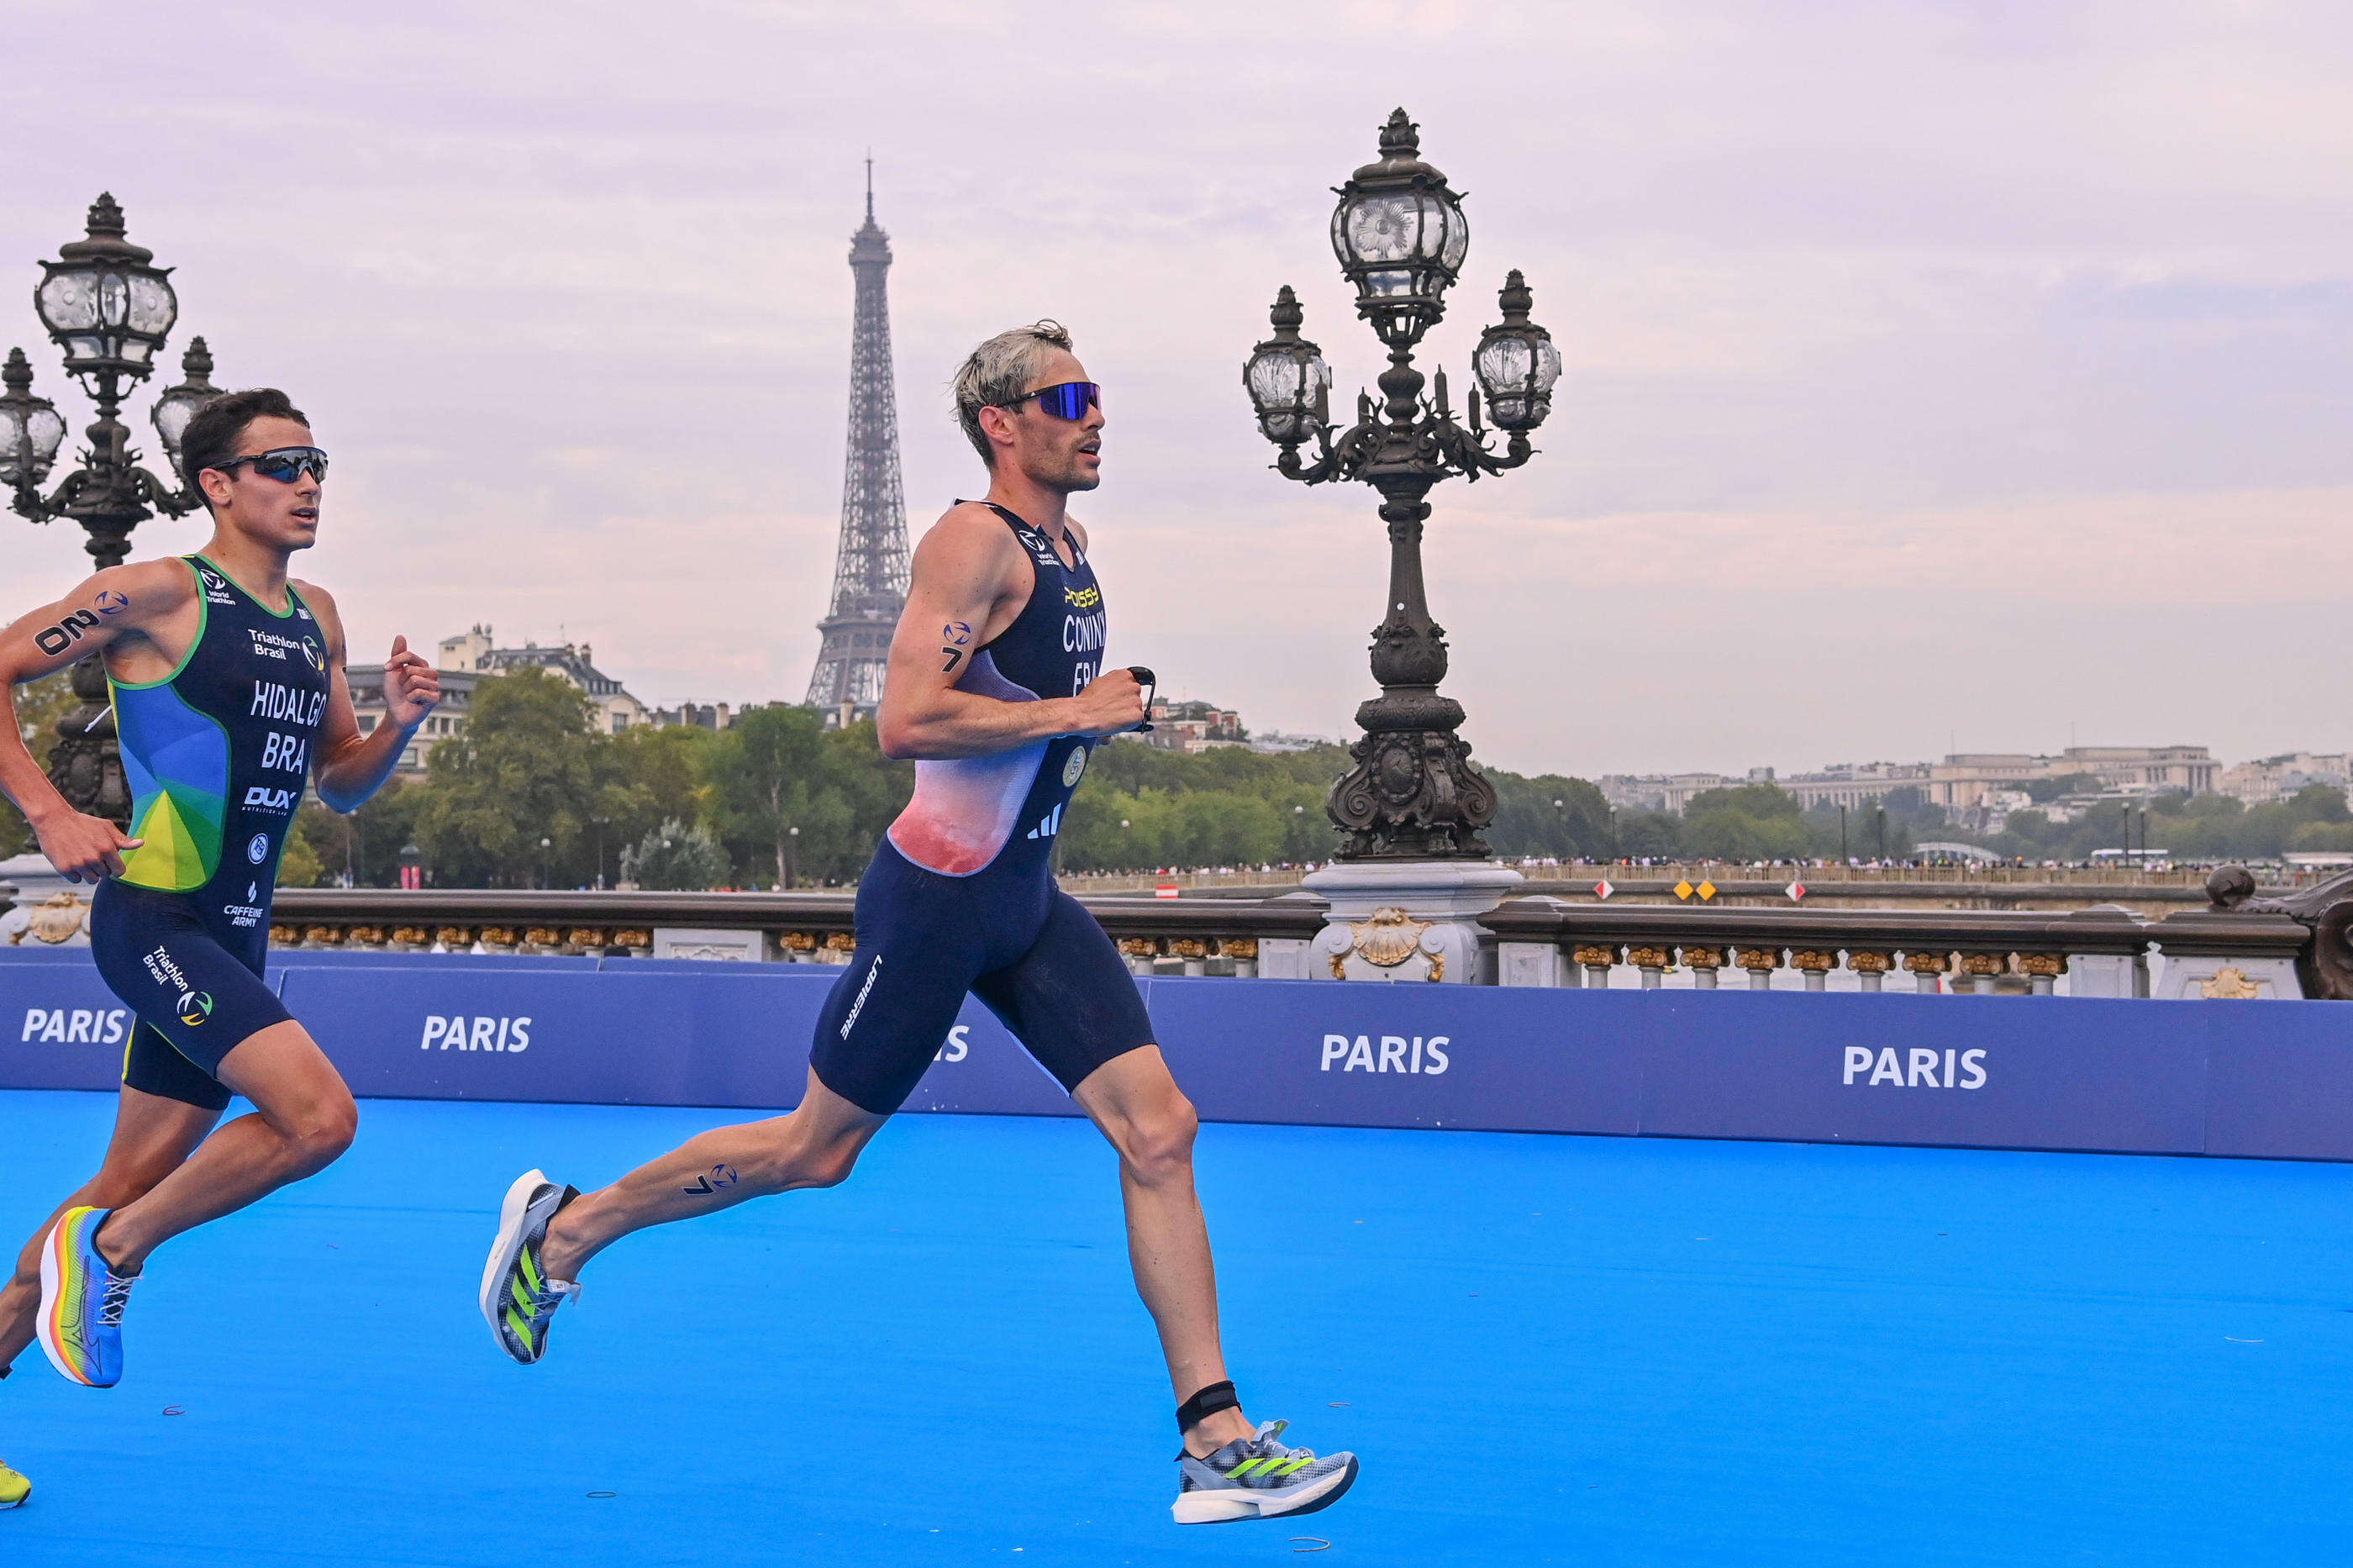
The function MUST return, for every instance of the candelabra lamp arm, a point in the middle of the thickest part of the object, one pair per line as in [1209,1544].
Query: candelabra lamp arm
[163,497]
[1331,461]
[28,502]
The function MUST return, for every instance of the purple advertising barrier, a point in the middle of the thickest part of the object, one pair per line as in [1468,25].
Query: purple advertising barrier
[1488,1059]
[2272,1080]
[1966,1071]
[61,1027]
[734,1034]
[2284,1091]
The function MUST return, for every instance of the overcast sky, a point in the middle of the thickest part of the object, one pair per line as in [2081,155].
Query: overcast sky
[1938,374]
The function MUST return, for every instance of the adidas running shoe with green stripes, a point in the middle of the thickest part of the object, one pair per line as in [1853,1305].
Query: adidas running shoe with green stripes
[13,1487]
[517,1299]
[1257,1477]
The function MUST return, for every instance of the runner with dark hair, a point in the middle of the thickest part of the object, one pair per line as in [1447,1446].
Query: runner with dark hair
[996,687]
[229,696]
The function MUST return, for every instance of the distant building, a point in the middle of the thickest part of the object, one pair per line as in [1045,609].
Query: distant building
[2279,778]
[475,651]
[465,661]
[1671,792]
[1855,786]
[1191,726]
[1275,742]
[1961,783]
[700,716]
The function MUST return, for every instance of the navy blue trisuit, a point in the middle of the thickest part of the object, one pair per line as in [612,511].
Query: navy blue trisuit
[961,895]
[216,756]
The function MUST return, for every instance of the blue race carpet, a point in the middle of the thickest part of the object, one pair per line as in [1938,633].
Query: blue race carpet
[1544,1349]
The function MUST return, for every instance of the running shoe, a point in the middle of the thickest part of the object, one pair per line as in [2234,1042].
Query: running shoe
[1257,1477]
[517,1299]
[80,1323]
[13,1487]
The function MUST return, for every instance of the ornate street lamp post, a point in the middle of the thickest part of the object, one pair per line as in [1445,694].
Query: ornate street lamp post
[1400,237]
[1414,865]
[109,310]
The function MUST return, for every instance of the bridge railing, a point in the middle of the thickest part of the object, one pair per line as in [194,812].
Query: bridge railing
[1539,940]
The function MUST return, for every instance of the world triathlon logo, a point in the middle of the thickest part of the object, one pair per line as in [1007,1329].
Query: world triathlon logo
[195,1006]
[110,603]
[257,848]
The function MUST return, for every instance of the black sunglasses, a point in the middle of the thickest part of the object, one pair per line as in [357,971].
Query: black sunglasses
[1071,400]
[284,464]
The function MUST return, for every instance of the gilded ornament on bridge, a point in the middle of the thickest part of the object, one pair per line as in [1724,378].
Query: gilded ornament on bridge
[1239,947]
[1648,957]
[1869,963]
[1593,957]
[1984,964]
[2229,984]
[1386,941]
[1813,961]
[2045,965]
[1760,958]
[56,919]
[1924,962]
[1703,957]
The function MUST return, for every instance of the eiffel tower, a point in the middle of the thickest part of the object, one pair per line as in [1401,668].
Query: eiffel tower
[870,569]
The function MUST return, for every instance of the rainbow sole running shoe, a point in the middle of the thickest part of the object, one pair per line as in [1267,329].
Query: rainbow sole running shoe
[13,1487]
[1257,1477]
[517,1299]
[80,1325]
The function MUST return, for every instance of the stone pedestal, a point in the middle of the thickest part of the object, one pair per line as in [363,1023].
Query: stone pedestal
[1408,919]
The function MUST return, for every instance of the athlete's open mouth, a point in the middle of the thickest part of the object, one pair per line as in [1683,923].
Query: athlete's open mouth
[309,513]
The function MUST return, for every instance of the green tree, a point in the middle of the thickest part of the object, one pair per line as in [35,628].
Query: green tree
[526,767]
[39,705]
[767,774]
[676,857]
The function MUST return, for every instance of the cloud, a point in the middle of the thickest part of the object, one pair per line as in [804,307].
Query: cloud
[1934,370]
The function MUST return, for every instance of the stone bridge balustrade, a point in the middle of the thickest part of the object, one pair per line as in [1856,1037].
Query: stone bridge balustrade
[2219,952]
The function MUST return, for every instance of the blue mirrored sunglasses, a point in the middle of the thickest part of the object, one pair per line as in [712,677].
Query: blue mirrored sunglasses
[1070,400]
[284,464]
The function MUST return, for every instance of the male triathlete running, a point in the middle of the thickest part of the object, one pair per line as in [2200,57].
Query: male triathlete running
[996,687]
[228,693]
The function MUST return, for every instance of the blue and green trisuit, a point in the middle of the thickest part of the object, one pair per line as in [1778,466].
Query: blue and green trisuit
[216,756]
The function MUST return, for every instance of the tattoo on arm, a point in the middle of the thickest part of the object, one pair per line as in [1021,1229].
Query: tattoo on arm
[957,633]
[54,640]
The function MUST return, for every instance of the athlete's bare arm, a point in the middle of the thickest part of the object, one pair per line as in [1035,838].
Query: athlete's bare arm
[348,766]
[144,617]
[970,580]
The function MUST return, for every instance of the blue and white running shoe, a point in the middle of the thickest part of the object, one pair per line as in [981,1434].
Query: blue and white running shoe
[80,1325]
[518,1300]
[1257,1477]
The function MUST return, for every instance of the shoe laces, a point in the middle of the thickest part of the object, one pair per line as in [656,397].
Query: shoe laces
[1265,1443]
[553,1295]
[110,1304]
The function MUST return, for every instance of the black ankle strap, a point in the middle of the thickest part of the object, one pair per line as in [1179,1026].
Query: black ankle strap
[1202,1405]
